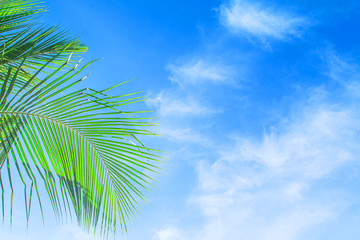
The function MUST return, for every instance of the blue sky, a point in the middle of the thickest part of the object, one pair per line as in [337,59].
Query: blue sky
[258,109]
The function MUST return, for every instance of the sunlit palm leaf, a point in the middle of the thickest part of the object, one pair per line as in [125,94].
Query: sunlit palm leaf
[48,43]
[19,37]
[78,143]
[15,14]
[84,139]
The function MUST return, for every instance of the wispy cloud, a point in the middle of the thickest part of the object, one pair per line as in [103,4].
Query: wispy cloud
[181,134]
[200,71]
[168,234]
[268,188]
[171,104]
[176,111]
[259,21]
[71,231]
[264,190]
[313,144]
[344,71]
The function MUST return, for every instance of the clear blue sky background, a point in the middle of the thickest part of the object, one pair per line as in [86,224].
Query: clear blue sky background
[258,104]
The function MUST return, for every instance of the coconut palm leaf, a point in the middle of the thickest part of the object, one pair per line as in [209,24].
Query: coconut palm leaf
[48,41]
[16,14]
[80,143]
[19,36]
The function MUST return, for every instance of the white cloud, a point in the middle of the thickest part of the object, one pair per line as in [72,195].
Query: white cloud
[175,114]
[318,143]
[181,134]
[344,71]
[246,17]
[281,185]
[339,68]
[73,232]
[168,234]
[269,188]
[168,105]
[264,190]
[200,71]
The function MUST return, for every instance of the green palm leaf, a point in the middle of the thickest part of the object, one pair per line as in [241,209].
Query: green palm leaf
[82,138]
[77,142]
[20,37]
[15,14]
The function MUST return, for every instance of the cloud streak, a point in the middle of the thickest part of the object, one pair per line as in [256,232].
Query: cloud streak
[271,188]
[265,190]
[242,17]
[200,71]
[169,105]
[168,234]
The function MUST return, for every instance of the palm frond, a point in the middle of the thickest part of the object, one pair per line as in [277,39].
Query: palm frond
[16,14]
[79,142]
[19,36]
[48,42]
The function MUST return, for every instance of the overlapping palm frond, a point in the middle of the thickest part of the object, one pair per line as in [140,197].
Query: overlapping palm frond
[19,36]
[49,41]
[78,142]
[16,14]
